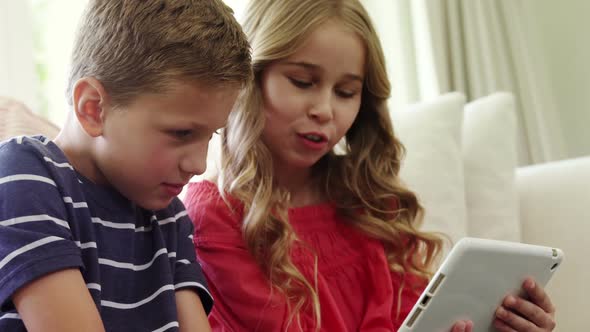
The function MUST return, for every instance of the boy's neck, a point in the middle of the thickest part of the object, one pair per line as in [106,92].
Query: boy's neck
[76,145]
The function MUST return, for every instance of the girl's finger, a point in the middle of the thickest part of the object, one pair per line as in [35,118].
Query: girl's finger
[515,321]
[538,295]
[462,326]
[458,327]
[502,327]
[529,311]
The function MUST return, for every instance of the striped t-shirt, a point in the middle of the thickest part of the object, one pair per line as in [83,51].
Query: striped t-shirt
[52,218]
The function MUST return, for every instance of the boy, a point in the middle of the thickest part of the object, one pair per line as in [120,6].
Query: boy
[92,236]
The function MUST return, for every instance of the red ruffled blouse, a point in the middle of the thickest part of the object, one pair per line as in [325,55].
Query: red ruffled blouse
[357,291]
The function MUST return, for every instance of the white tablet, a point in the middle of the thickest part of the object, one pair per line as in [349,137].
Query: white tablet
[474,279]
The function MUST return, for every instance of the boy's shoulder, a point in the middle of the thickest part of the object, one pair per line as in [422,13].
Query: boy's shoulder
[27,148]
[37,141]
[29,154]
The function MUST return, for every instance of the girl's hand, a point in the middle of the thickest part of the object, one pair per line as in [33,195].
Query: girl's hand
[462,326]
[535,314]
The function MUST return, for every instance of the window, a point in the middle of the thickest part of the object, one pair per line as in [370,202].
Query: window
[54,29]
[53,35]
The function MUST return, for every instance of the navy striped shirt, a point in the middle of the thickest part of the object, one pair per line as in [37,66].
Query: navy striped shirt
[52,218]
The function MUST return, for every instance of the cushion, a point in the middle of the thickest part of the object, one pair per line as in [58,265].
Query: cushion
[433,167]
[490,161]
[17,119]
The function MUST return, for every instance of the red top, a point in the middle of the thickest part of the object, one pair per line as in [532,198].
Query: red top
[357,291]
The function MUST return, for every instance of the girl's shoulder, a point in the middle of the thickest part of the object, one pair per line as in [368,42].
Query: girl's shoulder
[204,203]
[207,192]
[201,190]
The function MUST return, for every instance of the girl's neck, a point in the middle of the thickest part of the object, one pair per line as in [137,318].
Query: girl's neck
[302,186]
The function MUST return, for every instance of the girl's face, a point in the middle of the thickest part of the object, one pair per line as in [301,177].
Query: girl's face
[312,97]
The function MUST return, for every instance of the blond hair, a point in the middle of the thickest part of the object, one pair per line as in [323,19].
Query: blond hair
[364,177]
[135,47]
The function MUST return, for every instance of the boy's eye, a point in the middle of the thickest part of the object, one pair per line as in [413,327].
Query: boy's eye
[182,134]
[300,83]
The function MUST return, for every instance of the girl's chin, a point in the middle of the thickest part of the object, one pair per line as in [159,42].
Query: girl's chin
[297,162]
[303,165]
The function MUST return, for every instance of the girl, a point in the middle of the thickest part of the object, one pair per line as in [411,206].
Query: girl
[299,232]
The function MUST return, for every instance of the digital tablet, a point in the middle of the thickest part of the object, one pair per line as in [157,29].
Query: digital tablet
[474,279]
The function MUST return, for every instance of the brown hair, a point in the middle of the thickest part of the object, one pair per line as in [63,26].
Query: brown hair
[135,47]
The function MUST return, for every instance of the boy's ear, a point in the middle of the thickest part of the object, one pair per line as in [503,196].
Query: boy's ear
[90,102]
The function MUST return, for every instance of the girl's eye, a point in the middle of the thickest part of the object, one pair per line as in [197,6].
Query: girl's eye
[345,94]
[300,84]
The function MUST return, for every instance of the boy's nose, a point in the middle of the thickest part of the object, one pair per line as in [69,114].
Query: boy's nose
[195,162]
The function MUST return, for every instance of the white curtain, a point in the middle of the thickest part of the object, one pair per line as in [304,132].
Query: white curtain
[476,47]
[18,78]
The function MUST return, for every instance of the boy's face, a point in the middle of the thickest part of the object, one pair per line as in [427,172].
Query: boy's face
[151,148]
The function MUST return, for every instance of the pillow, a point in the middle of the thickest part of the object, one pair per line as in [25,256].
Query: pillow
[16,119]
[490,161]
[433,166]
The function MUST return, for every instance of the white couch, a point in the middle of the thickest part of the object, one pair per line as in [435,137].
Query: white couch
[461,160]
[555,211]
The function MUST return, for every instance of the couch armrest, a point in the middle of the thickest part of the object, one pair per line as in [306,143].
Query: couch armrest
[555,211]
[16,119]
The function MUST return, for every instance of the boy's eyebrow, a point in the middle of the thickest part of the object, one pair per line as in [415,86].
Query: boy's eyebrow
[200,126]
[186,125]
[314,67]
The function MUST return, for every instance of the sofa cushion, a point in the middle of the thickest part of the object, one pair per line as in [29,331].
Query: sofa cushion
[433,166]
[17,119]
[490,160]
